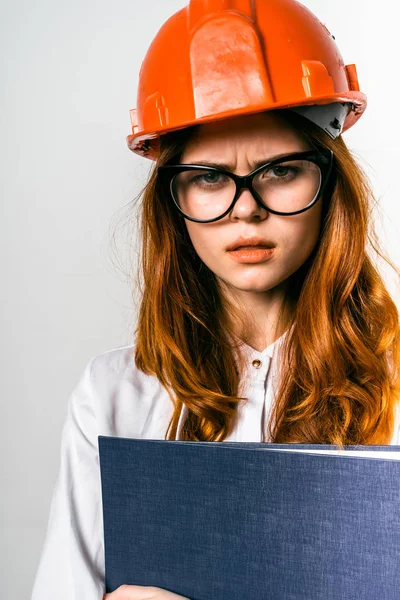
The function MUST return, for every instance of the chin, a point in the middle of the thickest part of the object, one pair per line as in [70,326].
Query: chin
[255,283]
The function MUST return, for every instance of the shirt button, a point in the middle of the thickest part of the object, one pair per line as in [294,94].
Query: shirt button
[256,363]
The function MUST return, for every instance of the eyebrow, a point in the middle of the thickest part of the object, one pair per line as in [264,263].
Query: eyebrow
[253,165]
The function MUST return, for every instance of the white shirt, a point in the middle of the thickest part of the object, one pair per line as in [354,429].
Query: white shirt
[114,398]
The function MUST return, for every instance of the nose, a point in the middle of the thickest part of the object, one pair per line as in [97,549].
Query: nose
[246,208]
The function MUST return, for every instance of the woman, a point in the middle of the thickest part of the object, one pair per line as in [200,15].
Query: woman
[284,343]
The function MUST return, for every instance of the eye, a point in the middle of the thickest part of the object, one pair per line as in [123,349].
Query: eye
[208,179]
[278,170]
[281,171]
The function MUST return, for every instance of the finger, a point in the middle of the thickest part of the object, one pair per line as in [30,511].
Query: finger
[130,592]
[140,592]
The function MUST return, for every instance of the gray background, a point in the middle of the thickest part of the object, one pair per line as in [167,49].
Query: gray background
[69,77]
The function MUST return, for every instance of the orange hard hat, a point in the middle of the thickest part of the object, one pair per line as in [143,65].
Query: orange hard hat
[215,59]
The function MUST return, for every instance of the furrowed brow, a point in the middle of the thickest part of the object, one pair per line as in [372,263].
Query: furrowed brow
[253,166]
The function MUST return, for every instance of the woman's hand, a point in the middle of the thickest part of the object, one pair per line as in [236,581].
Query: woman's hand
[140,592]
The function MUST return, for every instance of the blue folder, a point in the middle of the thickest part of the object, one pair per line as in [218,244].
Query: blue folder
[250,520]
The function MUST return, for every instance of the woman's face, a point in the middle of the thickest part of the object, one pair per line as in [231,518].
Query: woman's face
[240,142]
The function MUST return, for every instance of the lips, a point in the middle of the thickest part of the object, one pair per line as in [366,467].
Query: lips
[252,254]
[250,247]
[251,243]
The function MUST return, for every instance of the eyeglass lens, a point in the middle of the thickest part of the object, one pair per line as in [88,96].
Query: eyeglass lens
[287,186]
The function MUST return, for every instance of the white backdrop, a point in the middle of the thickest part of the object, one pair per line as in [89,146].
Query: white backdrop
[69,77]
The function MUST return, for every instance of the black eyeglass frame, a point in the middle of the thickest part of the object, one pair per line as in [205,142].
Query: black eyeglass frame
[323,158]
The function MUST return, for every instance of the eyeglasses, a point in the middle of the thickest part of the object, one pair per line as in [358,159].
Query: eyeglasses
[288,185]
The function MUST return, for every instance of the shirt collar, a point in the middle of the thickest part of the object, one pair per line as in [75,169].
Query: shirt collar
[252,354]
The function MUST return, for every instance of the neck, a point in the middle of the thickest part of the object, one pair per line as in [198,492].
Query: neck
[263,317]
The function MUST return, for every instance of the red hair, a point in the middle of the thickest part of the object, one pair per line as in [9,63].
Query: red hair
[340,380]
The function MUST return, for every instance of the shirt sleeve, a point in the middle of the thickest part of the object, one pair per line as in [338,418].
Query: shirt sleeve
[71,565]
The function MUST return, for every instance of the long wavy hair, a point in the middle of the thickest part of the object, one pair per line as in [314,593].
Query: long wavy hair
[339,379]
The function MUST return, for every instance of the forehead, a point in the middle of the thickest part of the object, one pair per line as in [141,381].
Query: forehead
[254,134]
